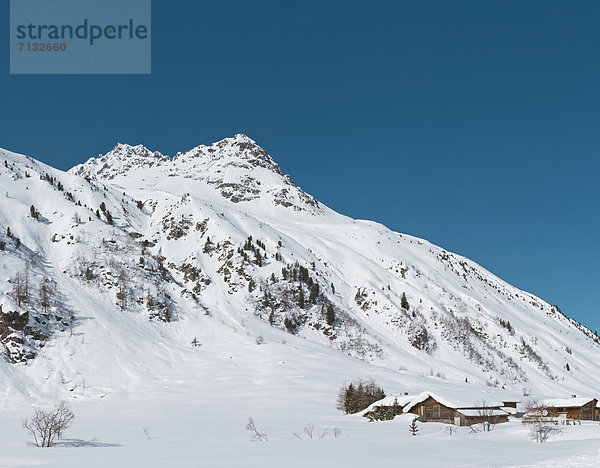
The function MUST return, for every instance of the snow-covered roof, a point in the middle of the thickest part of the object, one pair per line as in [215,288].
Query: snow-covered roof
[403,400]
[490,412]
[566,402]
[457,400]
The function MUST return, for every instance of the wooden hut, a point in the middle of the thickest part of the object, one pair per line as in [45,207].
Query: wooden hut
[572,408]
[431,408]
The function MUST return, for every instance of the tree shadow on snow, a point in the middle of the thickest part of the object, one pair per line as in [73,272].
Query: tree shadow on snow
[83,443]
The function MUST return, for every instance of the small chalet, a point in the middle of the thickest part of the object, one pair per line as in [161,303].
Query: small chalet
[572,408]
[431,408]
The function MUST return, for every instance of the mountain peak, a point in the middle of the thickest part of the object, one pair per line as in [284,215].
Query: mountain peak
[239,168]
[243,138]
[238,151]
[127,149]
[122,158]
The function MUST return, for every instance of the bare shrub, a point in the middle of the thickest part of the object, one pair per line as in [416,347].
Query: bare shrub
[47,426]
[309,429]
[486,416]
[255,434]
[538,419]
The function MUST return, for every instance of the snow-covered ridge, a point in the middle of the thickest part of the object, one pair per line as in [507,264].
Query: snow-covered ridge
[119,160]
[237,167]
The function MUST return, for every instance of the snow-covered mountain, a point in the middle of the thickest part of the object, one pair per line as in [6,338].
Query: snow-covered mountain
[110,271]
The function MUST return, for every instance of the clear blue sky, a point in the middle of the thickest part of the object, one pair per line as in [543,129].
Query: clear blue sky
[475,125]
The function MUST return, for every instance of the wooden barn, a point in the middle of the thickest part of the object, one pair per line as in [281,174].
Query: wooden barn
[572,408]
[430,408]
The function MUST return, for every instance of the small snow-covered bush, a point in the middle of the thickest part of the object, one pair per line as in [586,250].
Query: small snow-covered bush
[255,434]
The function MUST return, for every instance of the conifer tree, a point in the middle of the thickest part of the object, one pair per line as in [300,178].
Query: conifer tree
[413,428]
[404,302]
[314,293]
[330,317]
[350,404]
[289,325]
[300,298]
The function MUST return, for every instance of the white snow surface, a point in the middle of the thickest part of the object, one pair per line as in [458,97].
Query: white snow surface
[123,372]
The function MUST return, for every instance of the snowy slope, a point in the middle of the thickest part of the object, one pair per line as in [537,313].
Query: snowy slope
[180,246]
[217,244]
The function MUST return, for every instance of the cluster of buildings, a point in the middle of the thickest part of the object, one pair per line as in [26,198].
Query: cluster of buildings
[467,409]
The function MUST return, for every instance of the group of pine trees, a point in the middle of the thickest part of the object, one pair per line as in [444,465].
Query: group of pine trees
[506,324]
[107,215]
[35,214]
[358,396]
[10,235]
[298,273]
[249,246]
